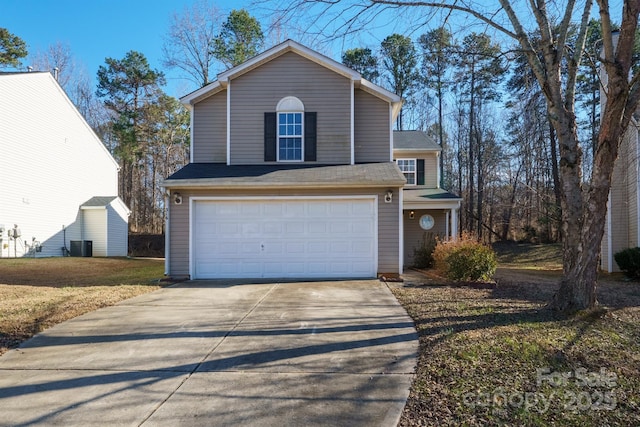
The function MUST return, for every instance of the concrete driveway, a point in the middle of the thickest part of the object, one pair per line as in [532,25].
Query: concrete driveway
[220,353]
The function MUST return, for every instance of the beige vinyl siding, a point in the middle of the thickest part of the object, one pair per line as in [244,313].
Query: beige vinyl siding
[320,90]
[431,171]
[414,234]
[430,164]
[389,233]
[372,130]
[179,237]
[388,227]
[210,129]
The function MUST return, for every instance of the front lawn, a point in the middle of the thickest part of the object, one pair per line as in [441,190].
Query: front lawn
[499,357]
[36,294]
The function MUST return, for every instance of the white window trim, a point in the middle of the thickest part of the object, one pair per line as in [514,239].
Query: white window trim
[293,136]
[415,170]
[287,105]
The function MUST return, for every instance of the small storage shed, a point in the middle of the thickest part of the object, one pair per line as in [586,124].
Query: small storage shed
[105,224]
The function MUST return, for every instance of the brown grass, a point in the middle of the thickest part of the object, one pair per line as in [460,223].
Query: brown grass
[36,294]
[480,350]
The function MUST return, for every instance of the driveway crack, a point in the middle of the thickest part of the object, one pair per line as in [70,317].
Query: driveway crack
[206,356]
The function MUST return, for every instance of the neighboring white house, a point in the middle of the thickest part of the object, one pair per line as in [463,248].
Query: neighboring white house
[58,182]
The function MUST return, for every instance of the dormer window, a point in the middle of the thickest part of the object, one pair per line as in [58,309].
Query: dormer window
[408,169]
[290,137]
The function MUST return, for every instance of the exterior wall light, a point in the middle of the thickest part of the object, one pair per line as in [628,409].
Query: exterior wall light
[388,197]
[412,215]
[177,198]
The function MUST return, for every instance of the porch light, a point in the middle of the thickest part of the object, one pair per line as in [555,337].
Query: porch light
[412,215]
[388,197]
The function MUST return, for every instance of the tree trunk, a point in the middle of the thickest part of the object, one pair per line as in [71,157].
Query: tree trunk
[471,159]
[582,238]
[556,177]
[506,223]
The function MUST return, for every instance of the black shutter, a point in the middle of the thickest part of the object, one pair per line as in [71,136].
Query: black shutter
[420,171]
[310,130]
[270,135]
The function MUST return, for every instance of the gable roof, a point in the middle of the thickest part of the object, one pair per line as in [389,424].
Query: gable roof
[31,88]
[98,201]
[414,140]
[295,47]
[220,175]
[101,202]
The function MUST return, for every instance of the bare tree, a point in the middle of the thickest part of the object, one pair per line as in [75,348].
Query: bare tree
[190,41]
[57,59]
[583,208]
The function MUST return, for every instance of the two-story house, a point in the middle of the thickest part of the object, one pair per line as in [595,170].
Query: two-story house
[292,175]
[428,210]
[59,182]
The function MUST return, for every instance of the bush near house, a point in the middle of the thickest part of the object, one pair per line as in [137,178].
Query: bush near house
[465,259]
[423,255]
[629,262]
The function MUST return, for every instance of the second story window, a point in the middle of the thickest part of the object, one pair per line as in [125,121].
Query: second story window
[290,132]
[290,135]
[408,169]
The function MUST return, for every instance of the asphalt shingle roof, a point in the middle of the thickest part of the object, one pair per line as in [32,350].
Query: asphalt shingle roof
[99,201]
[294,175]
[427,194]
[413,140]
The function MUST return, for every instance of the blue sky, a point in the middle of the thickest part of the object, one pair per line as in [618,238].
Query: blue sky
[96,29]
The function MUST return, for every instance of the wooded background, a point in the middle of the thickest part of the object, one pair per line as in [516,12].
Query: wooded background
[478,101]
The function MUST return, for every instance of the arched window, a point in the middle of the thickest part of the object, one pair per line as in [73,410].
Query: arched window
[290,129]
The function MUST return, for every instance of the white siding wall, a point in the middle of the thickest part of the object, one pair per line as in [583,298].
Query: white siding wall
[50,162]
[118,230]
[95,229]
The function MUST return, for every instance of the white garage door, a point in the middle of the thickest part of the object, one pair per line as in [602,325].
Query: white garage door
[284,237]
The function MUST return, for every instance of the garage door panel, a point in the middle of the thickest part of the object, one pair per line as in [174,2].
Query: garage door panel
[284,238]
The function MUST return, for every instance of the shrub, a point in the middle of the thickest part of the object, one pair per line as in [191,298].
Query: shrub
[423,255]
[629,262]
[465,259]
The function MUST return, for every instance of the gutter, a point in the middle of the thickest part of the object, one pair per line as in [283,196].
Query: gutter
[211,184]
[167,238]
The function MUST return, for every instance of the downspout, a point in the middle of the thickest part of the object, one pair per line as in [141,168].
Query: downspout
[167,238]
[352,130]
[228,123]
[401,236]
[446,224]
[191,115]
[390,132]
